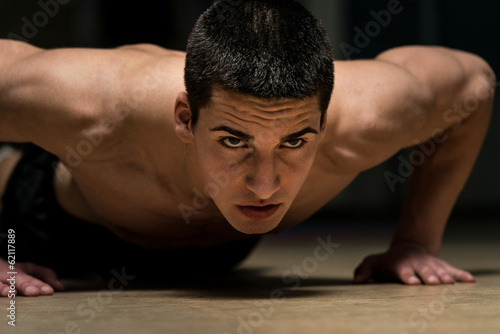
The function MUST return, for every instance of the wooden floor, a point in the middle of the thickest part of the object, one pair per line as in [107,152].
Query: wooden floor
[265,296]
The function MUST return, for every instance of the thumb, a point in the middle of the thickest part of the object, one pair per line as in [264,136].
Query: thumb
[365,270]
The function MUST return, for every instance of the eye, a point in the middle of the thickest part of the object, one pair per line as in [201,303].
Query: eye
[294,143]
[233,142]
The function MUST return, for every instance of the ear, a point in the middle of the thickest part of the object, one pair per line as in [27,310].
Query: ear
[182,118]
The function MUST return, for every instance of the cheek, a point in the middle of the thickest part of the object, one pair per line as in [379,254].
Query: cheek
[218,166]
[296,170]
[299,162]
[210,164]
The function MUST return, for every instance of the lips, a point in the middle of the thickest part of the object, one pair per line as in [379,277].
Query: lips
[259,212]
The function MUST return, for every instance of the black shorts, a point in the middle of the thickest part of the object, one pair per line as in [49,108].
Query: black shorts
[48,236]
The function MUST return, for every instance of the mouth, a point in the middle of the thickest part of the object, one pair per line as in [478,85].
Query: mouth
[259,212]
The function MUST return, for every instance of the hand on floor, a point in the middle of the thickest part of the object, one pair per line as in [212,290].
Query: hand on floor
[410,265]
[30,280]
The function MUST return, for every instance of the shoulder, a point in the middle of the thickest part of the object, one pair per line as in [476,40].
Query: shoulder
[92,80]
[146,75]
[442,71]
[451,78]
[382,105]
[382,94]
[149,82]
[376,107]
[112,94]
[138,82]
[139,111]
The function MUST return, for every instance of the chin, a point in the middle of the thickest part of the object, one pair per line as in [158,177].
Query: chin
[257,227]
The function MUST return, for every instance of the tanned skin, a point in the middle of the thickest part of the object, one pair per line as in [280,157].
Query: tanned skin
[137,157]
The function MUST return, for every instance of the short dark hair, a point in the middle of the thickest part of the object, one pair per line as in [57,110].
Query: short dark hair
[270,49]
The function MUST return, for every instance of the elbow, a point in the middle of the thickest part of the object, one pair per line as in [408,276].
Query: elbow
[482,94]
[489,77]
[490,74]
[485,81]
[485,89]
[480,86]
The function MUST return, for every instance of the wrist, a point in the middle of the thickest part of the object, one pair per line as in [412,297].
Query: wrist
[414,244]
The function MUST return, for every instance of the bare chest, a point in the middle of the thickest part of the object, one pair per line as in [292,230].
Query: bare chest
[153,211]
[141,208]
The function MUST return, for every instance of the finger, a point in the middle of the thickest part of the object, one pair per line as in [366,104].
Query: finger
[444,276]
[407,276]
[365,270]
[46,275]
[30,286]
[428,276]
[464,276]
[5,290]
[458,274]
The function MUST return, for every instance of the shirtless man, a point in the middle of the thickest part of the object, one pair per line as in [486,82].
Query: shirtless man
[254,146]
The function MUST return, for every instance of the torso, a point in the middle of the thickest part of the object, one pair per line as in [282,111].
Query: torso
[132,185]
[143,209]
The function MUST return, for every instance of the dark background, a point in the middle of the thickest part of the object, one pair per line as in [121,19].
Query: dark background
[468,25]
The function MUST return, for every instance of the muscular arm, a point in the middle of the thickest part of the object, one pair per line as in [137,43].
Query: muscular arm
[49,96]
[42,100]
[462,91]
[463,113]
[57,98]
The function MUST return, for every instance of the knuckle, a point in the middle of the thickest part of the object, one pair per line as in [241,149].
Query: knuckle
[405,273]
[23,285]
[425,270]
[442,272]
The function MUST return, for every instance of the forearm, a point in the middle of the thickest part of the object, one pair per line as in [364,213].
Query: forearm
[437,182]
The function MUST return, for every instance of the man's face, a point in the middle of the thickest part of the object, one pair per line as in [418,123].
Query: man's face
[254,155]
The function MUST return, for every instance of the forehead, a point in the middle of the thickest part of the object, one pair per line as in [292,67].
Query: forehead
[236,106]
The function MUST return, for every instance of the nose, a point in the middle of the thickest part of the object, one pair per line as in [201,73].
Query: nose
[263,179]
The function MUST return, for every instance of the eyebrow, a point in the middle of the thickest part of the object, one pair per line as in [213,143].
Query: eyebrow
[247,137]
